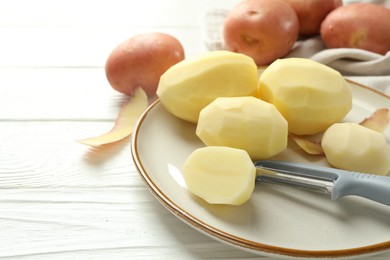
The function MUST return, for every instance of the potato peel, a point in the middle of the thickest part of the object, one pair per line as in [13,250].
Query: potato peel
[125,122]
[378,120]
[309,146]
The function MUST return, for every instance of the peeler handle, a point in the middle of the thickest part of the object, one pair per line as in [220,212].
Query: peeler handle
[370,186]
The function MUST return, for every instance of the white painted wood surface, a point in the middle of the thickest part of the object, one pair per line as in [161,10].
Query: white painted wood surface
[60,199]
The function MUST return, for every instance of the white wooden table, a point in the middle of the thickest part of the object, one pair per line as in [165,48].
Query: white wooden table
[60,199]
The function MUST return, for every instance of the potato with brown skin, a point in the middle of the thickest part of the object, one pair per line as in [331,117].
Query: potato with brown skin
[311,13]
[264,30]
[361,25]
[140,61]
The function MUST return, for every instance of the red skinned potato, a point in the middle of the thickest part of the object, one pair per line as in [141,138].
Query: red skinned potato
[264,30]
[361,25]
[140,61]
[311,13]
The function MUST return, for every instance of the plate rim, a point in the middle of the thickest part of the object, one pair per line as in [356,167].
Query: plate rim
[242,243]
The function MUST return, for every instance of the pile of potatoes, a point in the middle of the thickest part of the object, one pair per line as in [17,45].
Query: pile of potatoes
[221,92]
[267,29]
[241,118]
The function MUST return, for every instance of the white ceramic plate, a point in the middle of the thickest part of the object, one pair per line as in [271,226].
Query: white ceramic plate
[277,220]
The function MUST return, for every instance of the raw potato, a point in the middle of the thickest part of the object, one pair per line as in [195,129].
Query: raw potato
[246,123]
[353,147]
[140,61]
[262,29]
[220,175]
[187,87]
[311,13]
[311,96]
[361,25]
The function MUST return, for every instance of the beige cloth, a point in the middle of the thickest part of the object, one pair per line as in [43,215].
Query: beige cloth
[362,66]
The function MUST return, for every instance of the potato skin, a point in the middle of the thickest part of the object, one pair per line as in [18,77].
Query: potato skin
[361,25]
[140,61]
[264,30]
[311,13]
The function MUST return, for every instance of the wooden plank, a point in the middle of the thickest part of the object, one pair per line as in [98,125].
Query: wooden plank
[47,154]
[57,94]
[103,13]
[79,223]
[78,47]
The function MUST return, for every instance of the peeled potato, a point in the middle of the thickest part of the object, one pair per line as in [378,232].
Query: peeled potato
[353,147]
[220,175]
[311,96]
[188,86]
[246,123]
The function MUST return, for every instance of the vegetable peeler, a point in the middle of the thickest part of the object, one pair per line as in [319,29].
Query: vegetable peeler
[337,183]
